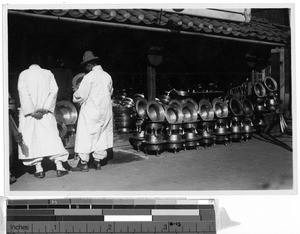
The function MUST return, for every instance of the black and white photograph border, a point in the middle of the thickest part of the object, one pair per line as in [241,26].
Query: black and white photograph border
[201,97]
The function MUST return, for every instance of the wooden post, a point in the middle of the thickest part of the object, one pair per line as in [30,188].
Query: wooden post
[151,82]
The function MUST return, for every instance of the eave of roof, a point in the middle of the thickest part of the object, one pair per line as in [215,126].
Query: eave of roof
[256,31]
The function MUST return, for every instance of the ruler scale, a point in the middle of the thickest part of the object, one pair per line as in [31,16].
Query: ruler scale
[110,216]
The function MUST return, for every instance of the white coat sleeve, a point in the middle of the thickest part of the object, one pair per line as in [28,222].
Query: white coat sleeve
[81,95]
[51,99]
[25,100]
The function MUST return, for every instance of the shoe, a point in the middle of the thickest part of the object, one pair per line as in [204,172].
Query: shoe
[96,165]
[40,175]
[12,179]
[60,173]
[81,167]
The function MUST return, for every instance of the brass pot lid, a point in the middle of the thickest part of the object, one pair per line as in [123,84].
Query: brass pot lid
[65,112]
[206,111]
[259,89]
[141,107]
[235,107]
[77,80]
[248,107]
[270,84]
[155,111]
[220,108]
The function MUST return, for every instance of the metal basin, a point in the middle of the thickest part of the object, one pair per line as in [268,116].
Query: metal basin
[65,112]
[259,89]
[247,107]
[189,113]
[206,111]
[220,108]
[141,107]
[235,107]
[155,111]
[192,101]
[175,103]
[270,84]
[173,114]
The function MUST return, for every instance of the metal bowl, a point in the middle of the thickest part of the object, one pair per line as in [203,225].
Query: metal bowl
[77,80]
[173,114]
[220,108]
[141,107]
[189,113]
[155,111]
[192,101]
[259,89]
[235,107]
[127,102]
[136,96]
[270,84]
[175,103]
[206,111]
[248,107]
[65,112]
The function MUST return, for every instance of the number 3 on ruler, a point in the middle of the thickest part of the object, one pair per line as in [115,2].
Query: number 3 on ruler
[165,227]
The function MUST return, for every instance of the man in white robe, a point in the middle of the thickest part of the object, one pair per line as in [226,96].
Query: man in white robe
[94,132]
[38,90]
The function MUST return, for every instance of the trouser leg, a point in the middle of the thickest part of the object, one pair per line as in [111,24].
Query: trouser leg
[85,157]
[58,159]
[99,155]
[37,162]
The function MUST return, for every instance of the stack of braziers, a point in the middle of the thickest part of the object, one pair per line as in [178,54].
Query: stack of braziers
[183,124]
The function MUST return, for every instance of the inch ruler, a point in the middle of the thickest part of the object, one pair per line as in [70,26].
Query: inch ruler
[110,216]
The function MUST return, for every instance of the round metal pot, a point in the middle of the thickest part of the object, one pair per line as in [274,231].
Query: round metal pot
[190,125]
[248,108]
[155,111]
[220,108]
[173,127]
[156,147]
[190,136]
[136,142]
[235,106]
[141,107]
[173,114]
[206,111]
[189,113]
[271,104]
[174,137]
[65,112]
[139,134]
[153,137]
[259,89]
[270,84]
[154,125]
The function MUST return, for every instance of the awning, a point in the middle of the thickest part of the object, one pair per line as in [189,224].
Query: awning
[256,31]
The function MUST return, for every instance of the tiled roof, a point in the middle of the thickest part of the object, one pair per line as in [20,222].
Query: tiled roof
[256,29]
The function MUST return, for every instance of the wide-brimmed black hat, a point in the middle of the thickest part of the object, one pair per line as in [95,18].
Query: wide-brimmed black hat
[88,56]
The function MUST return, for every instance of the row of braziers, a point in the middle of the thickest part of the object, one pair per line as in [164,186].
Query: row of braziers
[184,124]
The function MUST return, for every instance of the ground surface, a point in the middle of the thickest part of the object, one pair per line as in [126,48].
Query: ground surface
[255,165]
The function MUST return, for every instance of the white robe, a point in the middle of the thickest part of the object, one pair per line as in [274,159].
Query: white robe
[38,90]
[95,124]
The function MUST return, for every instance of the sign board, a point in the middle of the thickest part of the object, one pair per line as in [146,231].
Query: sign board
[236,14]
